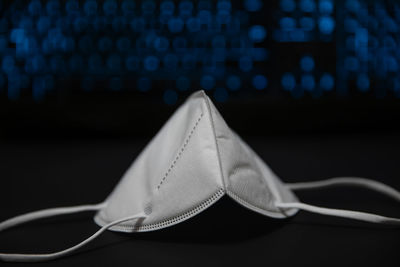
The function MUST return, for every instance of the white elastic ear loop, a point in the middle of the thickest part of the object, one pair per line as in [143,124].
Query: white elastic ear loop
[356,215]
[53,212]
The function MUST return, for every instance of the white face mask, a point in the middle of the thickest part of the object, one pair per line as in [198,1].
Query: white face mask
[192,162]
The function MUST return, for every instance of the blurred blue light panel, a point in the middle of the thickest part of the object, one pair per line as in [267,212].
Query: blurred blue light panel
[307,63]
[26,23]
[151,63]
[3,43]
[288,82]
[170,97]
[287,23]
[245,63]
[361,38]
[167,8]
[118,23]
[185,8]
[352,5]
[53,7]
[188,62]
[307,82]
[57,64]
[205,17]
[218,41]
[114,63]
[183,83]
[307,23]
[161,44]
[66,44]
[105,44]
[35,7]
[193,24]
[233,82]
[351,64]
[144,84]
[207,82]
[221,95]
[259,54]
[95,63]
[76,63]
[175,25]
[391,64]
[72,7]
[260,82]
[326,6]
[253,5]
[257,33]
[17,35]
[110,7]
[43,24]
[326,25]
[288,5]
[204,4]
[8,63]
[90,7]
[307,6]
[327,82]
[148,7]
[128,7]
[363,82]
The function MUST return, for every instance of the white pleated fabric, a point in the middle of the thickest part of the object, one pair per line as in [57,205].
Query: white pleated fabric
[193,161]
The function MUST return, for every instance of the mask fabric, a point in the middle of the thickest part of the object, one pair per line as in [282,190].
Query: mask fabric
[199,159]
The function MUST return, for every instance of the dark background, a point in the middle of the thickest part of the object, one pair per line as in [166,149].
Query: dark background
[84,85]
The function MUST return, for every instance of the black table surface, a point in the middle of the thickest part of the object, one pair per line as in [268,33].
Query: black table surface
[38,174]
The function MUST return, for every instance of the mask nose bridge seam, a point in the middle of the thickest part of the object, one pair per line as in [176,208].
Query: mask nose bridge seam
[180,153]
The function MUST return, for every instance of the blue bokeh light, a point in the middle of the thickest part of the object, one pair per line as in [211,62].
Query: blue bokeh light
[307,5]
[307,63]
[257,33]
[253,5]
[326,6]
[260,82]
[327,82]
[307,82]
[151,63]
[288,5]
[175,25]
[363,82]
[288,81]
[326,25]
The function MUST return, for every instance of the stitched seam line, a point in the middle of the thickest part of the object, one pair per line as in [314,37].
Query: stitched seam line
[148,227]
[180,152]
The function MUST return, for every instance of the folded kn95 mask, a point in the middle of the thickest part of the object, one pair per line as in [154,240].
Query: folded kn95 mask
[193,161]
